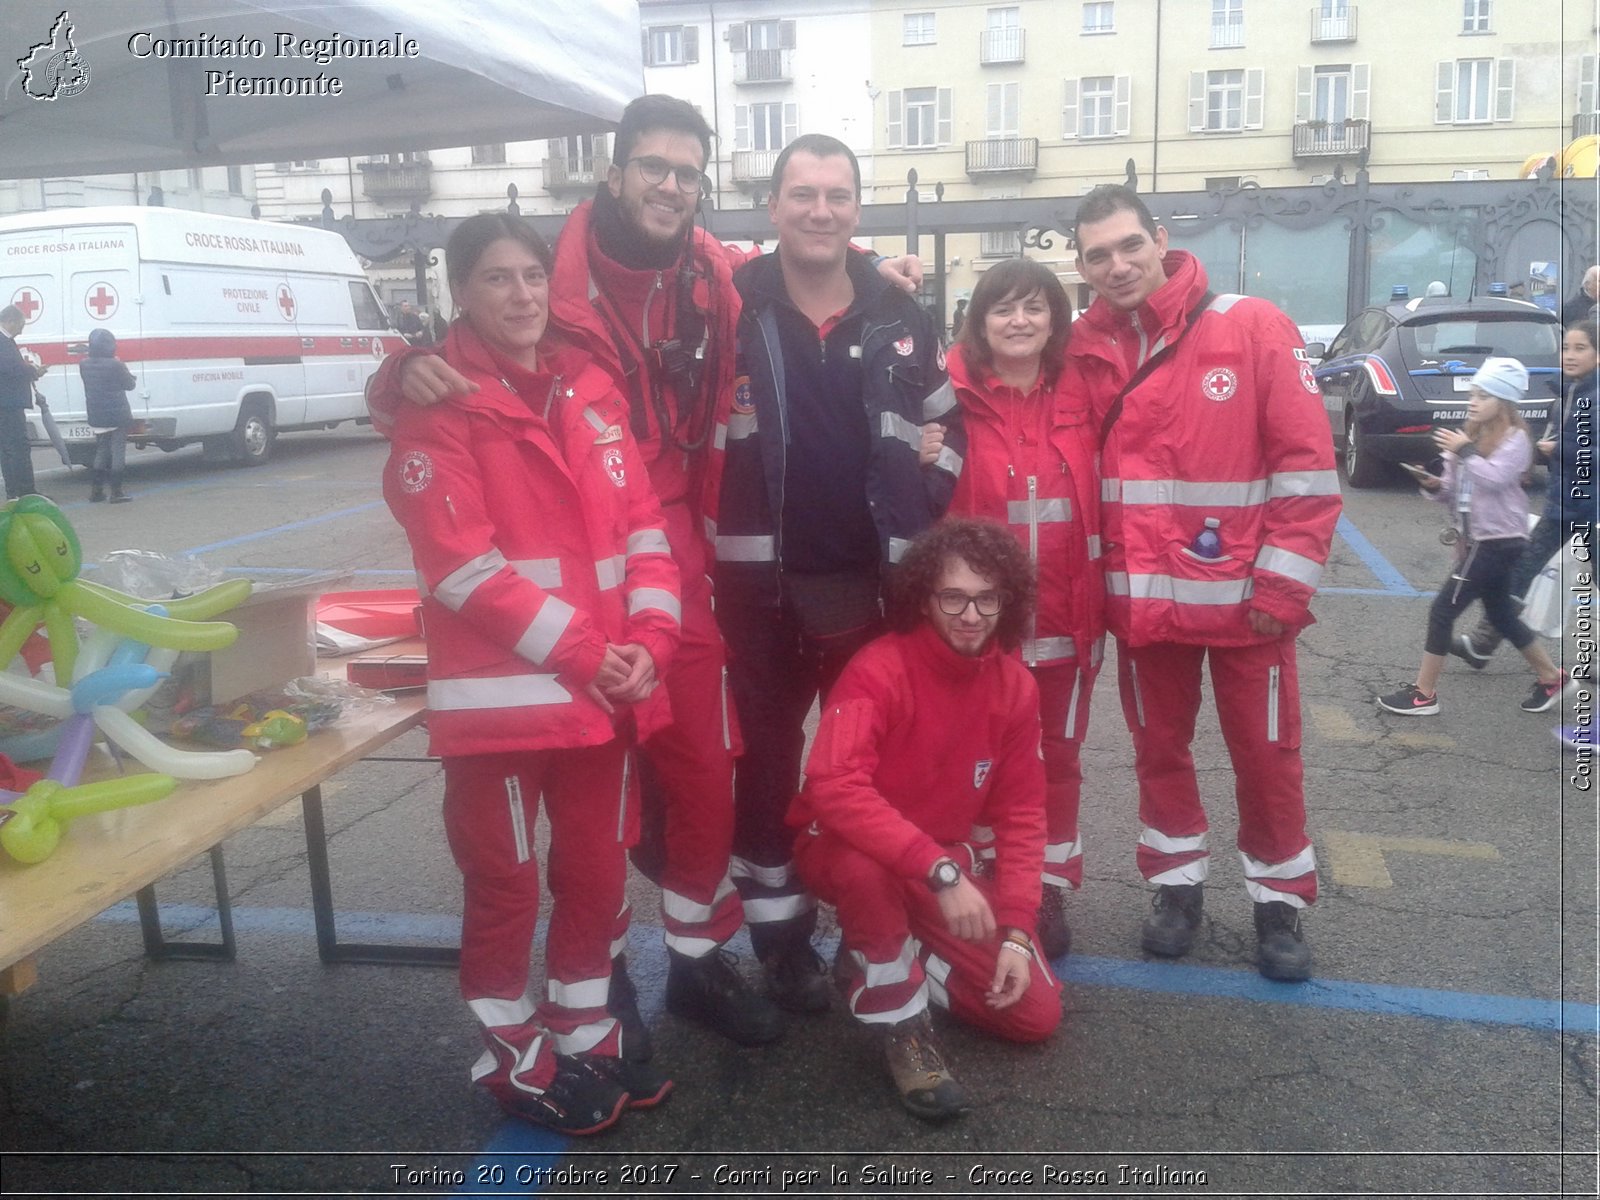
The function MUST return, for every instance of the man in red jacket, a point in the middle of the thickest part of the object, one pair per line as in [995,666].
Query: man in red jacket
[930,730]
[1219,499]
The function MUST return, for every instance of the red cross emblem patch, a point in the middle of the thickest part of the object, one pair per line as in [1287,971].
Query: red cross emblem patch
[905,346]
[416,472]
[612,459]
[1219,384]
[1308,378]
[980,771]
[741,395]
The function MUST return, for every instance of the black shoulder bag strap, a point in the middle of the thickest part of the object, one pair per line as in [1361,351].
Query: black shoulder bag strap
[1150,364]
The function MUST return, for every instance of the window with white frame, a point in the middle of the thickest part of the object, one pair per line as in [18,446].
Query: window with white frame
[1097,106]
[769,126]
[1000,243]
[1588,89]
[1227,23]
[489,153]
[1226,101]
[671,45]
[919,118]
[1001,120]
[1472,91]
[1475,16]
[763,35]
[1099,16]
[918,29]
[1002,35]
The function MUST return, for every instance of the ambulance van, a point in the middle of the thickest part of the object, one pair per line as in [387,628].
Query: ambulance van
[236,330]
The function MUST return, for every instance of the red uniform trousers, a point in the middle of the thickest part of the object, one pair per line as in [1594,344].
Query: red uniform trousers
[490,804]
[688,778]
[898,953]
[1257,692]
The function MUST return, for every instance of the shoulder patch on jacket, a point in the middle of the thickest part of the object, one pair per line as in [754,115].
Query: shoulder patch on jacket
[906,346]
[1219,384]
[414,472]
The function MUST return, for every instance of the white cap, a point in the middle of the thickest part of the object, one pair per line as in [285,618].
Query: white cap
[1503,378]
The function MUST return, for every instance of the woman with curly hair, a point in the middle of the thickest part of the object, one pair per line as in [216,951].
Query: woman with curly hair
[931,730]
[1031,464]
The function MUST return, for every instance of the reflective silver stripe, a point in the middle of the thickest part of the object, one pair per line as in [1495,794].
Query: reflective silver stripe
[727,729]
[549,623]
[885,974]
[948,460]
[546,572]
[1052,649]
[719,437]
[1286,562]
[1224,302]
[1292,868]
[710,527]
[1302,483]
[1195,871]
[1072,706]
[1094,546]
[586,993]
[648,541]
[689,947]
[917,1003]
[456,588]
[893,425]
[1180,591]
[519,818]
[741,426]
[752,548]
[1138,697]
[691,912]
[508,691]
[622,795]
[584,1038]
[422,584]
[1111,490]
[1272,703]
[1197,493]
[657,598]
[1017,511]
[596,421]
[1162,844]
[939,402]
[608,572]
[768,877]
[898,548]
[1063,852]
[496,1013]
[768,909]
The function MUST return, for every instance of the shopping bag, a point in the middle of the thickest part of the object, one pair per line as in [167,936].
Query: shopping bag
[1542,606]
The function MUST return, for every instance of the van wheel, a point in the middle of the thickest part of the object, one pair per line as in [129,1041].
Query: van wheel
[250,443]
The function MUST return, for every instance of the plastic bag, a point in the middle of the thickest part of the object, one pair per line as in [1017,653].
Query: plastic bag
[274,717]
[153,576]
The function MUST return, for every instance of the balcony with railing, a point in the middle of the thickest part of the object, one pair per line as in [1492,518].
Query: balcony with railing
[1332,139]
[1333,26]
[763,66]
[575,172]
[1585,124]
[997,46]
[391,182]
[997,155]
[1227,35]
[754,167]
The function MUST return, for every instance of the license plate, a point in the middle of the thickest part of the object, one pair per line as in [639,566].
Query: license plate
[1463,383]
[78,433]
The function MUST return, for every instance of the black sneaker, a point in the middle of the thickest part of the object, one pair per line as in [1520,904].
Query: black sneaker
[1174,919]
[623,1003]
[1410,702]
[1544,695]
[796,978]
[926,1085]
[1464,648]
[645,1086]
[578,1101]
[1281,951]
[711,991]
[1055,935]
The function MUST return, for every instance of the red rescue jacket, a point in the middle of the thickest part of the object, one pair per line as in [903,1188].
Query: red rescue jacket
[537,540]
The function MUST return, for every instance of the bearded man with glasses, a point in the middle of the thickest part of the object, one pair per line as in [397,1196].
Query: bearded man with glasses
[932,729]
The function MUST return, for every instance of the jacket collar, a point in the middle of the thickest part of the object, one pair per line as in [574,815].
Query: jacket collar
[1163,313]
[925,644]
[760,282]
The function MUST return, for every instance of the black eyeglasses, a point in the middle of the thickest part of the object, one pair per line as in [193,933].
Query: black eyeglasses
[953,604]
[656,170]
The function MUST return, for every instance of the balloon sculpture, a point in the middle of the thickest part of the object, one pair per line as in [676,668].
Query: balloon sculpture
[113,672]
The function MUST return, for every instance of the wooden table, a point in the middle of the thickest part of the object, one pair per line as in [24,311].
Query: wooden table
[108,857]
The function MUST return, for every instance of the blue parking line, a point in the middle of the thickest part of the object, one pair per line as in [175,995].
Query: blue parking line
[1394,583]
[288,527]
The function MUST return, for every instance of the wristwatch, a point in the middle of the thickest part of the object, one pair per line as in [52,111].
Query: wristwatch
[945,874]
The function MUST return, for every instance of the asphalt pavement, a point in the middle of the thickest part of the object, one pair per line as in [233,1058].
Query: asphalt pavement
[1446,1046]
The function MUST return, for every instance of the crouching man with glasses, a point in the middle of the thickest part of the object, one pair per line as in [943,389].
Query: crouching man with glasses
[932,729]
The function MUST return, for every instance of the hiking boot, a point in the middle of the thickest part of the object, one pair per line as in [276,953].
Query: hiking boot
[622,1002]
[926,1086]
[645,1086]
[1409,701]
[1544,695]
[1174,917]
[796,978]
[1464,648]
[578,1101]
[711,991]
[1281,953]
[1055,936]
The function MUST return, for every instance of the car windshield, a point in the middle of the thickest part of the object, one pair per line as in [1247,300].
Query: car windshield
[1463,336]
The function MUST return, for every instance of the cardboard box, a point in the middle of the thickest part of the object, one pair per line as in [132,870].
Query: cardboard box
[276,643]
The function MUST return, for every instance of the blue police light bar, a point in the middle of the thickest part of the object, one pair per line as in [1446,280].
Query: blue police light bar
[1399,292]
[1499,289]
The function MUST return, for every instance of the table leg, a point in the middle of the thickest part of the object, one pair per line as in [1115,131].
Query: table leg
[156,944]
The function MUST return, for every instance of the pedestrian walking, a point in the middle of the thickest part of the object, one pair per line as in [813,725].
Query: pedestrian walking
[17,376]
[106,382]
[958,319]
[1482,485]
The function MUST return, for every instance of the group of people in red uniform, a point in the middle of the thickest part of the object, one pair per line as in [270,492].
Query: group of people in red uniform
[934,545]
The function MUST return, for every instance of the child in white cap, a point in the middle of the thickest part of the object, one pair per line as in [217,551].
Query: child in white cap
[1482,483]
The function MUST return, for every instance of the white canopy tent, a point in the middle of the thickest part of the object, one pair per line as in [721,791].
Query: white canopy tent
[140,85]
